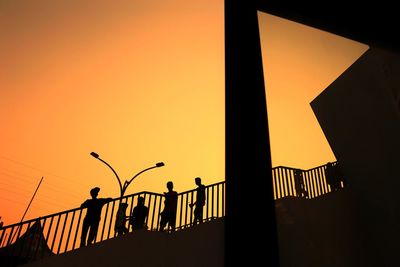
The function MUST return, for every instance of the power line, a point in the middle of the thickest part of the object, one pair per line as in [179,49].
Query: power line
[55,186]
[34,168]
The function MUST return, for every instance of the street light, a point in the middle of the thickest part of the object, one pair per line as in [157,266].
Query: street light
[126,183]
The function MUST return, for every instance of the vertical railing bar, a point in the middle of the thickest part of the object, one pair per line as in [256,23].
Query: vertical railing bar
[218,201]
[212,197]
[208,202]
[319,188]
[289,182]
[19,231]
[275,179]
[273,183]
[154,211]
[292,182]
[4,240]
[285,188]
[186,206]
[279,170]
[62,233]
[281,188]
[310,190]
[191,209]
[130,213]
[111,219]
[77,228]
[317,174]
[223,199]
[69,231]
[320,182]
[321,170]
[315,186]
[159,212]
[48,234]
[105,221]
[149,205]
[306,183]
[280,182]
[312,184]
[10,236]
[3,231]
[181,211]
[55,232]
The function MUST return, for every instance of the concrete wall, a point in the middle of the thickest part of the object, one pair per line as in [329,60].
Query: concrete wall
[360,116]
[320,232]
[199,246]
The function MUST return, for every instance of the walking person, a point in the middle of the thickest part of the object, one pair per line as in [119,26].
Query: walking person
[120,220]
[299,183]
[200,201]
[92,218]
[331,177]
[139,215]
[168,215]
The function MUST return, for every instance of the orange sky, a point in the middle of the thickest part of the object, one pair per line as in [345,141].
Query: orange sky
[299,63]
[140,83]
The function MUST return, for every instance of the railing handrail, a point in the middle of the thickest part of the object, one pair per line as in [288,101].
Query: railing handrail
[114,199]
[69,223]
[292,168]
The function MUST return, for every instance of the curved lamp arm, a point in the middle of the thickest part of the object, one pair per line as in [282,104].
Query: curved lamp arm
[126,184]
[95,155]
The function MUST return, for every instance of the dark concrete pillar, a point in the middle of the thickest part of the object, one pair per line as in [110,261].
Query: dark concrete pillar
[250,214]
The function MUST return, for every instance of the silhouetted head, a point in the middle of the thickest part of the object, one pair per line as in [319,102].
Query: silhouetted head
[170,185]
[140,200]
[123,206]
[94,192]
[197,180]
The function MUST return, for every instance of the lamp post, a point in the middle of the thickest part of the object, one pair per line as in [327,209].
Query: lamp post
[126,183]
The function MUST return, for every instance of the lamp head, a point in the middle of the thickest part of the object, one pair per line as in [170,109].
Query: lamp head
[94,154]
[160,164]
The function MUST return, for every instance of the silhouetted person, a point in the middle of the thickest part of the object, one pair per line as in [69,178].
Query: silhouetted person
[139,215]
[92,217]
[299,184]
[332,177]
[120,220]
[200,201]
[340,176]
[168,215]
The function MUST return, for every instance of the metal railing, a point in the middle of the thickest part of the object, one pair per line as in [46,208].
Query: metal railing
[314,180]
[60,232]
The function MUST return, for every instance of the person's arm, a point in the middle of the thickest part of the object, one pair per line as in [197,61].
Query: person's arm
[106,200]
[84,204]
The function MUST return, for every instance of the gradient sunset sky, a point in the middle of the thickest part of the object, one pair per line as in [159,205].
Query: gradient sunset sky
[141,82]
